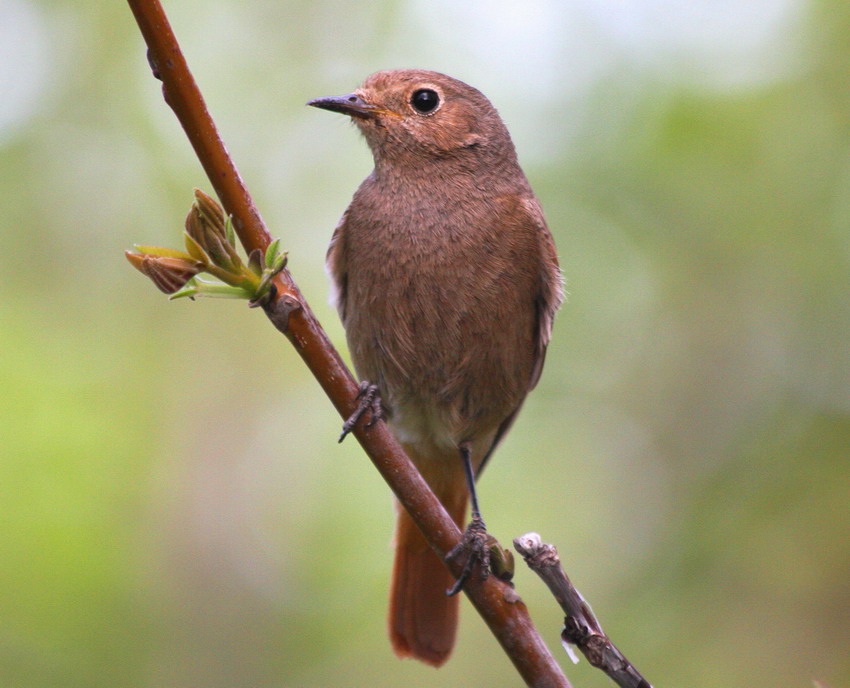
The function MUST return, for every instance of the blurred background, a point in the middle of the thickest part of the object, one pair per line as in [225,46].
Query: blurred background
[175,508]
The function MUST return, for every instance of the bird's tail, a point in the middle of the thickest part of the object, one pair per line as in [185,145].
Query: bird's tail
[423,619]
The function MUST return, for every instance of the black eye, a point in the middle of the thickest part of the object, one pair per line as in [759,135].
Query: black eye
[425,100]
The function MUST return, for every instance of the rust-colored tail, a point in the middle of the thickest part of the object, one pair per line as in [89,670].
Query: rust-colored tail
[423,619]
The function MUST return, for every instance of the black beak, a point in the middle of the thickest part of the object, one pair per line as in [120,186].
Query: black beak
[352,105]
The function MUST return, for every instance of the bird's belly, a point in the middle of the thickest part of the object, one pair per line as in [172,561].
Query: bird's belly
[448,368]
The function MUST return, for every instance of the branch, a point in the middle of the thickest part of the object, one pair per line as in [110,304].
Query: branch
[496,601]
[581,627]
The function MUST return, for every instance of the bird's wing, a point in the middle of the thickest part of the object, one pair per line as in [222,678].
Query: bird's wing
[337,269]
[547,299]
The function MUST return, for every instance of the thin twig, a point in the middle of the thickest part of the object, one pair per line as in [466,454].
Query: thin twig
[581,627]
[498,604]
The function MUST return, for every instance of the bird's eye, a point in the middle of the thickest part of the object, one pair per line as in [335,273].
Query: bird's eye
[425,100]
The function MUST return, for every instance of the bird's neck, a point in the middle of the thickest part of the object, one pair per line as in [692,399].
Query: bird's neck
[468,175]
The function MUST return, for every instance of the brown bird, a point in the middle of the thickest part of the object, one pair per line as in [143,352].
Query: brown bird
[446,279]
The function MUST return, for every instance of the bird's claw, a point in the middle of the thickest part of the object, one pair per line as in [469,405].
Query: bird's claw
[476,543]
[368,399]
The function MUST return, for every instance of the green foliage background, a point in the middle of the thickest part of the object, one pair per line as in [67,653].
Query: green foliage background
[175,510]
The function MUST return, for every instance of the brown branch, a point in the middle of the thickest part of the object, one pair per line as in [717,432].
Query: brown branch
[581,627]
[498,604]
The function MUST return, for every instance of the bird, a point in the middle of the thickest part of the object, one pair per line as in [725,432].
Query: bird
[446,279]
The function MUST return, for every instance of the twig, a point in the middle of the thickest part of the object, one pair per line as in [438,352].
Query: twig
[498,604]
[581,627]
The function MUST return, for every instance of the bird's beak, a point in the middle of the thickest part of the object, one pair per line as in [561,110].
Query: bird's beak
[351,104]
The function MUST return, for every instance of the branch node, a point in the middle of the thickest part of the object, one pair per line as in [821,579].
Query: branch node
[279,309]
[153,65]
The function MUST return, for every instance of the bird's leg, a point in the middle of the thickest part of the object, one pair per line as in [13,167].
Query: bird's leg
[368,399]
[475,538]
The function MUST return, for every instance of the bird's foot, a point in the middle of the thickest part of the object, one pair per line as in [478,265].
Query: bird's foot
[368,399]
[476,544]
